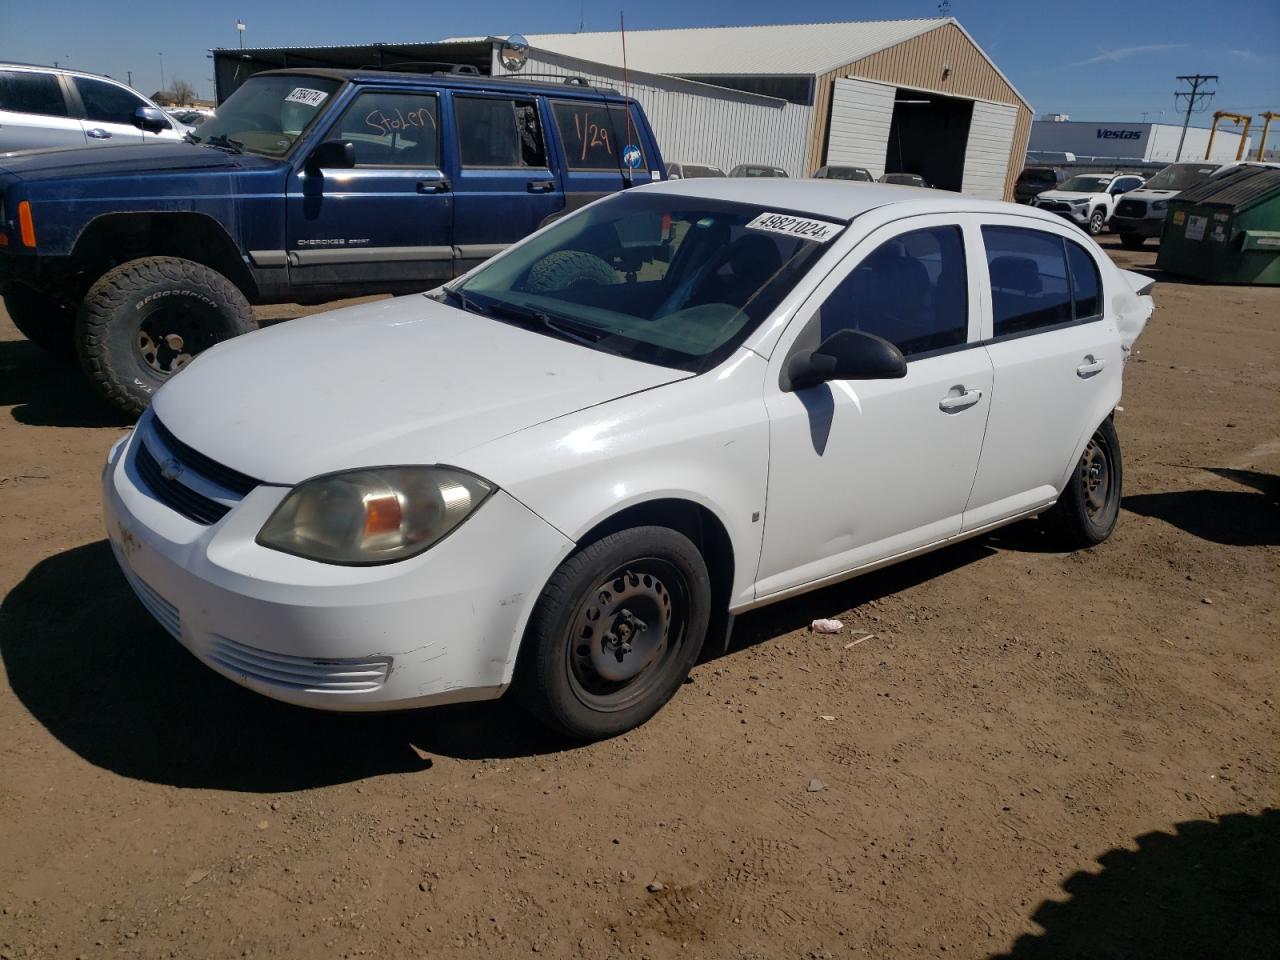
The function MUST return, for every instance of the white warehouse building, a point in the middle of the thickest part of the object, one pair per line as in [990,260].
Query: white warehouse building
[914,96]
[1152,143]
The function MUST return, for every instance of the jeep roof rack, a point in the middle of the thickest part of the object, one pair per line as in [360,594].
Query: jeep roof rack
[424,66]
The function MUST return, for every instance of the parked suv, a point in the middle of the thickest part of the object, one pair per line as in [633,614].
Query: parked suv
[48,107]
[1035,180]
[1088,199]
[1140,213]
[307,185]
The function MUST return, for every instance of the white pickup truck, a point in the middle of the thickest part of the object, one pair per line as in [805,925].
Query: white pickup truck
[1088,199]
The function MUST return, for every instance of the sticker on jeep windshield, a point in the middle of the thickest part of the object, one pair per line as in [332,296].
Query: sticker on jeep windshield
[307,96]
[800,227]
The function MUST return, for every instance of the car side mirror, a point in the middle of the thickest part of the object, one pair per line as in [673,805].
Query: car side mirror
[151,119]
[846,355]
[334,155]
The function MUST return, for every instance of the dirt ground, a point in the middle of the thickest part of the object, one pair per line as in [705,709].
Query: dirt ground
[1037,755]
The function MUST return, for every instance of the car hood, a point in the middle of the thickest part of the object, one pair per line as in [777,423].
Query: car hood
[1067,195]
[408,380]
[62,163]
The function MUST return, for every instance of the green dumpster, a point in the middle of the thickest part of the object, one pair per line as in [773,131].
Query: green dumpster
[1226,229]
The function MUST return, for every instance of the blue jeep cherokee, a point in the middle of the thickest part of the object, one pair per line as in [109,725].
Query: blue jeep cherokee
[306,186]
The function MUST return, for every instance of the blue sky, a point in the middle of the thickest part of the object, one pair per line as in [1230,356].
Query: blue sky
[1094,60]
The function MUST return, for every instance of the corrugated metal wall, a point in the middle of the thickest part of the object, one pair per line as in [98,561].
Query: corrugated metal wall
[861,113]
[986,156]
[699,123]
[918,63]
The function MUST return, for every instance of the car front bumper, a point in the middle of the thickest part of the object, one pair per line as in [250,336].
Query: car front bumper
[440,627]
[1076,214]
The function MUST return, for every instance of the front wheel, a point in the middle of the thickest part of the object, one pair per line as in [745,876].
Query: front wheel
[1089,507]
[1097,220]
[614,634]
[1132,241]
[145,320]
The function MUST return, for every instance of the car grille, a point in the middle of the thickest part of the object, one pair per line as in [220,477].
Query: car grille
[1131,208]
[1057,206]
[162,460]
[360,675]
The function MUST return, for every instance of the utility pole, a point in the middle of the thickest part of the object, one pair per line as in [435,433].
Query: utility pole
[240,31]
[130,74]
[161,69]
[1193,98]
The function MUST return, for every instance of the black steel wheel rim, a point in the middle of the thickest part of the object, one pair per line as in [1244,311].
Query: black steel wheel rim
[625,634]
[171,334]
[1096,477]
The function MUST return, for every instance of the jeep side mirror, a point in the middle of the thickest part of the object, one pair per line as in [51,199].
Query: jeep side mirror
[846,355]
[151,119]
[334,155]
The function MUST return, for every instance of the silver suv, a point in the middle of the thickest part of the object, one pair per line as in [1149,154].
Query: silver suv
[50,107]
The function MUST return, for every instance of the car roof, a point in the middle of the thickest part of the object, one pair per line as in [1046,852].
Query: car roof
[835,199]
[64,71]
[463,80]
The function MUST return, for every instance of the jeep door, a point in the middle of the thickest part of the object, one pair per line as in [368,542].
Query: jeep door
[864,471]
[603,147]
[34,112]
[503,186]
[385,222]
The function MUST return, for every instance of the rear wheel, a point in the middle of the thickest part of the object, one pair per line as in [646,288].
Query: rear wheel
[48,323]
[145,320]
[1097,220]
[1089,507]
[1132,241]
[614,634]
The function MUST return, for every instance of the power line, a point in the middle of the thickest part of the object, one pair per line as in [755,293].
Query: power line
[1193,97]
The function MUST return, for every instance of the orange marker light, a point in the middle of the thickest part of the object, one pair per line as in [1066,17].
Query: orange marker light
[382,515]
[26,227]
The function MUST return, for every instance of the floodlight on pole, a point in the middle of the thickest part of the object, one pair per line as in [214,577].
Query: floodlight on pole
[240,30]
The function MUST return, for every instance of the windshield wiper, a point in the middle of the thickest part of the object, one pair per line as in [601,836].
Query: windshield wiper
[461,299]
[190,137]
[558,325]
[229,143]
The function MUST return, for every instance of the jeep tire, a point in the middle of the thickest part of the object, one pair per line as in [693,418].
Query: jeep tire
[144,320]
[47,322]
[569,270]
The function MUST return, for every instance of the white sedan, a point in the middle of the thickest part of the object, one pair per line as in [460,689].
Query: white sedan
[568,470]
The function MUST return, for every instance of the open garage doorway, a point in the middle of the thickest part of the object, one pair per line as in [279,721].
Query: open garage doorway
[928,135]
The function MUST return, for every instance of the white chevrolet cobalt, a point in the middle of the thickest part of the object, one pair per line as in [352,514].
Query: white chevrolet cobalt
[567,471]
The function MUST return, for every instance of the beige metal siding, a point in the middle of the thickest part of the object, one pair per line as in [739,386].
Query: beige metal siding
[861,113]
[986,156]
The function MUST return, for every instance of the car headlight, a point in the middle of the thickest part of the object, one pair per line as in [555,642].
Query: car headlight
[1160,205]
[375,515]
[1078,201]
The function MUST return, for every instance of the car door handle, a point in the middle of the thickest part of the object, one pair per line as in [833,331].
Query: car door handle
[98,133]
[964,401]
[1090,368]
[541,186]
[433,186]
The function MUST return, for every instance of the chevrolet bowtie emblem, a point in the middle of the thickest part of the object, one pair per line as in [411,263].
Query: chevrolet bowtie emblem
[171,469]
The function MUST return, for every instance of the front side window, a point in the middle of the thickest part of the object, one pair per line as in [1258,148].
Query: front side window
[393,129]
[268,114]
[675,281]
[598,136]
[495,132]
[910,290]
[25,92]
[1039,280]
[105,102]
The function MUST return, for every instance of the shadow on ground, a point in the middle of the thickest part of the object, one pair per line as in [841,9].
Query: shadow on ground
[1210,889]
[47,392]
[1236,518]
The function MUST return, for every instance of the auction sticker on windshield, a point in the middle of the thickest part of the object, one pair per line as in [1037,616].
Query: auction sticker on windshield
[801,227]
[307,96]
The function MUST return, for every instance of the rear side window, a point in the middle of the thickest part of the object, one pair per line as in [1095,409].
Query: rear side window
[496,132]
[393,129]
[105,102]
[23,92]
[911,290]
[598,136]
[1032,285]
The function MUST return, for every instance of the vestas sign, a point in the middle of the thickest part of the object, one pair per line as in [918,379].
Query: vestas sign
[1105,134]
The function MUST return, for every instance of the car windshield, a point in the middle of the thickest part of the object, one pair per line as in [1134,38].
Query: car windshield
[846,173]
[1087,184]
[675,281]
[267,114]
[1179,176]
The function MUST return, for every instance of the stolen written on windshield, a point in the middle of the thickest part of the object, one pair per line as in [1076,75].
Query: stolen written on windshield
[802,227]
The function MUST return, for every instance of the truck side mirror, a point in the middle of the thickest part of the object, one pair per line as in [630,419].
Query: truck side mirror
[333,155]
[151,119]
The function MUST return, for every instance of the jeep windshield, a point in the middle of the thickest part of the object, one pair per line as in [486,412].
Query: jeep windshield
[675,281]
[268,114]
[1086,185]
[1179,176]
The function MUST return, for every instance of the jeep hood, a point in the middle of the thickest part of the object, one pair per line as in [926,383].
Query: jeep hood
[408,380]
[63,163]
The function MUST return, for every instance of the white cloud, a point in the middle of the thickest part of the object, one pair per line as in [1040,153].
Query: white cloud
[1124,53]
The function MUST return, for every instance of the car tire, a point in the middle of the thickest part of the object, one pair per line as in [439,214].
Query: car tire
[578,672]
[144,320]
[568,269]
[1097,220]
[1089,506]
[48,323]
[1132,241]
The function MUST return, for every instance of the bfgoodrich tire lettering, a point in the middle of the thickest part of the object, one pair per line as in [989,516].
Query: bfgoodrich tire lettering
[640,597]
[1089,506]
[145,319]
